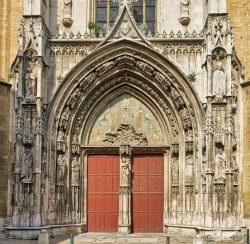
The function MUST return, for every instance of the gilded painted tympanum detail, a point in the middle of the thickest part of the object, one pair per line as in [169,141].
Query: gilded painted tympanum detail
[126,121]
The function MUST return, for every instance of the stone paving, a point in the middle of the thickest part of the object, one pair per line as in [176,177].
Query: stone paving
[107,238]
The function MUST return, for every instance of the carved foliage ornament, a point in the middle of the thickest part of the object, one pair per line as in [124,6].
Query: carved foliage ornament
[126,134]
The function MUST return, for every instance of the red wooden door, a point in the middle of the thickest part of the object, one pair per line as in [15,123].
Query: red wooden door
[103,193]
[147,193]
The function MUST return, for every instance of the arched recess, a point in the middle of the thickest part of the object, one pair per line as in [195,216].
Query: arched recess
[128,67]
[114,101]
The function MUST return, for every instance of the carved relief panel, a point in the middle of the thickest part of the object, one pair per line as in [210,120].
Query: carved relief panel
[126,120]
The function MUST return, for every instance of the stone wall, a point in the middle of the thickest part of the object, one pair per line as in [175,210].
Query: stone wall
[4,146]
[240,20]
[10,15]
[246,152]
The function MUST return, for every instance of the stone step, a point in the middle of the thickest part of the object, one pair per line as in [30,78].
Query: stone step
[119,238]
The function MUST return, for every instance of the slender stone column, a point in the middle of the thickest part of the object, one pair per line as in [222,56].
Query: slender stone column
[125,189]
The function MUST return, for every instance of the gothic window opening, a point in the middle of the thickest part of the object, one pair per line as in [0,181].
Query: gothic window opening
[144,12]
[106,12]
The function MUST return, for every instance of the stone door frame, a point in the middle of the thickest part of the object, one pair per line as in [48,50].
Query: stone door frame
[125,151]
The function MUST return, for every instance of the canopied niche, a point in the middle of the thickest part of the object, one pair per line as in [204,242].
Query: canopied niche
[126,119]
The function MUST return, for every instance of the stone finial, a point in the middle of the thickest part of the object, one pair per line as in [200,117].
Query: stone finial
[125,2]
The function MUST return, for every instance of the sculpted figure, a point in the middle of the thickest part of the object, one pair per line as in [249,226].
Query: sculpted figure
[105,67]
[220,165]
[67,13]
[30,83]
[175,170]
[60,136]
[138,121]
[189,168]
[75,139]
[184,12]
[44,166]
[61,164]
[64,118]
[26,173]
[185,8]
[219,80]
[124,170]
[75,171]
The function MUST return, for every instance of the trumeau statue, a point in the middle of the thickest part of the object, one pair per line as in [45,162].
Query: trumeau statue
[125,170]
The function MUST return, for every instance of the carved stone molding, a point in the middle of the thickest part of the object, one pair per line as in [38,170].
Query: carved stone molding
[125,134]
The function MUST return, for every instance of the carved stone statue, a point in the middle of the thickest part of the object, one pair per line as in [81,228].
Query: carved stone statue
[44,167]
[219,80]
[220,165]
[189,168]
[64,118]
[75,139]
[27,166]
[61,165]
[124,171]
[75,171]
[175,170]
[184,12]
[67,13]
[61,145]
[30,84]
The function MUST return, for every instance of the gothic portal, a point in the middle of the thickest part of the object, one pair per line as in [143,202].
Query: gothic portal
[131,126]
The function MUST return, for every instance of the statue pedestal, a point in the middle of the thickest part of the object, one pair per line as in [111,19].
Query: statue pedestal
[124,228]
[43,237]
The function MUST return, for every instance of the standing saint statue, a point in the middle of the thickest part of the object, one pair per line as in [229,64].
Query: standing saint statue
[26,173]
[124,171]
[30,84]
[220,165]
[61,165]
[189,168]
[75,171]
[219,82]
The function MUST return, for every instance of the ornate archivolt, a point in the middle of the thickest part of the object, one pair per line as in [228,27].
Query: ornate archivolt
[136,87]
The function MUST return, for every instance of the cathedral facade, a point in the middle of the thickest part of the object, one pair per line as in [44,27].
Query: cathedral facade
[127,116]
